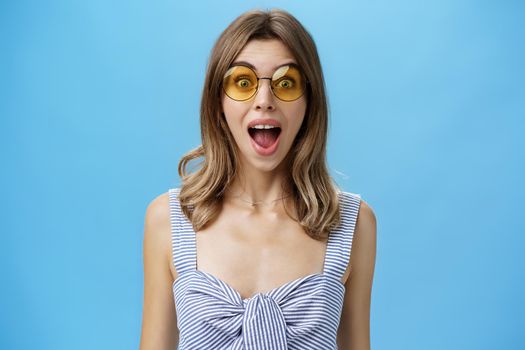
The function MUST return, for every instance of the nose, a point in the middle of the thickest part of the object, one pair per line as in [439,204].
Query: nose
[264,99]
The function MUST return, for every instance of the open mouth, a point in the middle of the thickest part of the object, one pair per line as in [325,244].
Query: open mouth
[265,137]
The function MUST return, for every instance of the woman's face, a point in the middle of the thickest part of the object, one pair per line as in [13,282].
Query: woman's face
[264,149]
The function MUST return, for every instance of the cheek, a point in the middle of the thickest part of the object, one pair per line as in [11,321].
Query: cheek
[229,112]
[233,113]
[230,108]
[297,115]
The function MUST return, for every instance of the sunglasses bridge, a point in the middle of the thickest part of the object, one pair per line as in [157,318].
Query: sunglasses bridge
[257,88]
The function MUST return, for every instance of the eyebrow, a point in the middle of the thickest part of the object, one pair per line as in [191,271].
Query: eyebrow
[249,65]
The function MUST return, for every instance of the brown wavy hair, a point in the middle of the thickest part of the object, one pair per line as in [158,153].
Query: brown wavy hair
[313,191]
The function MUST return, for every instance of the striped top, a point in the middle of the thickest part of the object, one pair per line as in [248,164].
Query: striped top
[300,314]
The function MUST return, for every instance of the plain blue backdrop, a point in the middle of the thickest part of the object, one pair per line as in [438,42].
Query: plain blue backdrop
[100,99]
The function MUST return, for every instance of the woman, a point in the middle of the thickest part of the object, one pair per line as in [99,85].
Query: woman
[258,249]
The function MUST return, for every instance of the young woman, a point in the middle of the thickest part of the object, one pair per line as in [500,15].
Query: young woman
[258,249]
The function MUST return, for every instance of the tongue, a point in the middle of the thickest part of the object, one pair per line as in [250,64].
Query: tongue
[264,137]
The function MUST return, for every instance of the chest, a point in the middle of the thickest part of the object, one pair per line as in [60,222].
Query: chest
[257,253]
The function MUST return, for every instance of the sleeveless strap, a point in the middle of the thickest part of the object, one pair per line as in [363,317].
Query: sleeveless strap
[183,245]
[339,245]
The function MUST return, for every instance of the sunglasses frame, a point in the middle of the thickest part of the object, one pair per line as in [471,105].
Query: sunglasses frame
[306,82]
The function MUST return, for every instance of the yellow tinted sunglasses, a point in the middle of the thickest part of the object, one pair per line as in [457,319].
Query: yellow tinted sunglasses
[240,83]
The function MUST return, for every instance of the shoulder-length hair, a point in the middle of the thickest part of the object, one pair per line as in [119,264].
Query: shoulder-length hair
[314,193]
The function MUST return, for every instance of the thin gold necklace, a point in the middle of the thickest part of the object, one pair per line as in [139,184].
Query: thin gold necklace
[253,204]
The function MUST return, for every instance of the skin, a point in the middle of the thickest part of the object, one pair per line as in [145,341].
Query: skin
[247,246]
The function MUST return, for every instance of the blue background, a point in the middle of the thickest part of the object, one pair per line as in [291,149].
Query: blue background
[100,99]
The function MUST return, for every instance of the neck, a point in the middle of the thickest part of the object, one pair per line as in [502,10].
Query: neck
[263,188]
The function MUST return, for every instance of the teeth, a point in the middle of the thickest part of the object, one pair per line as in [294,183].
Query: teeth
[259,126]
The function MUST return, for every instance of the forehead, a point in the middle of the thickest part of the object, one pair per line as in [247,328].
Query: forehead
[265,55]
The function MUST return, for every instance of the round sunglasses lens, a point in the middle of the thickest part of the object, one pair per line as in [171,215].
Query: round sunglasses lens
[288,83]
[240,83]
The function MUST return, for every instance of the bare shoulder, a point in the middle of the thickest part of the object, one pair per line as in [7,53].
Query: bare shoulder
[362,259]
[157,212]
[157,226]
[366,221]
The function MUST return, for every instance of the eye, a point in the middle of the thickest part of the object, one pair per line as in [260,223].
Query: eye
[243,82]
[285,83]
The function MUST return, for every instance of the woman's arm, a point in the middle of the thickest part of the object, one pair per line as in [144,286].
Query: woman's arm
[159,321]
[354,329]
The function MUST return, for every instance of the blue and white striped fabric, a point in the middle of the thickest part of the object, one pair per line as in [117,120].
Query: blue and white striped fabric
[300,314]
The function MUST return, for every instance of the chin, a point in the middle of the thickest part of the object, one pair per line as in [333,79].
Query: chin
[264,165]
